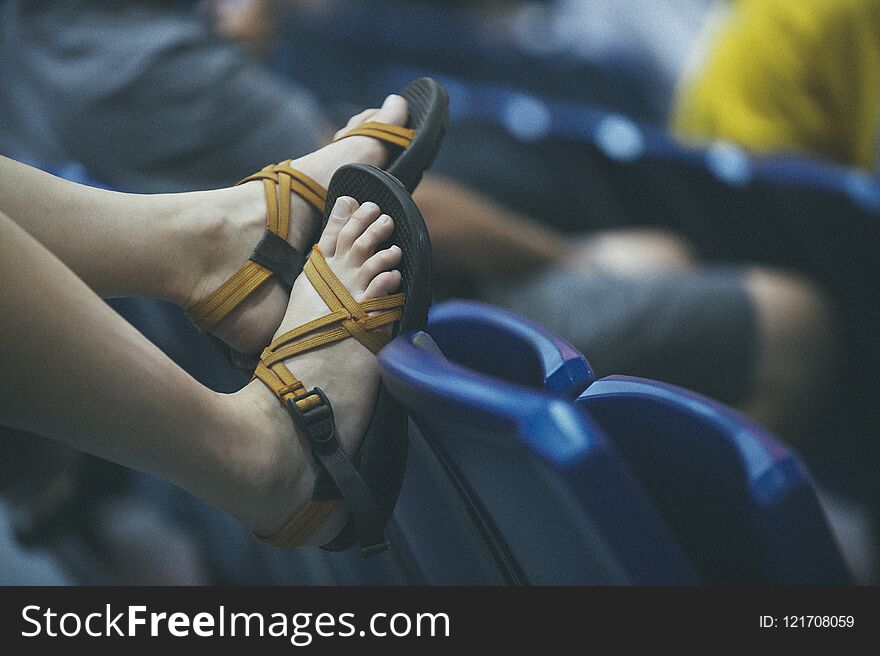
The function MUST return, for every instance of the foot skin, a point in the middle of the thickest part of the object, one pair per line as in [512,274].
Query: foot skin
[346,371]
[249,327]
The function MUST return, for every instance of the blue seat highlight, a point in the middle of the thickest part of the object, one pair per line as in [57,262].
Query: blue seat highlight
[538,495]
[741,504]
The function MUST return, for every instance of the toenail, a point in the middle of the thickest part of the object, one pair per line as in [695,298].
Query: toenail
[369,206]
[384,219]
[342,206]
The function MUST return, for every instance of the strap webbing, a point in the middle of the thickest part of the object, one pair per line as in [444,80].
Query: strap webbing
[393,134]
[347,318]
[227,296]
[279,181]
[277,255]
[300,527]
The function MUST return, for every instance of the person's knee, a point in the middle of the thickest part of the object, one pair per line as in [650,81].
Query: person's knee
[634,250]
[796,346]
[794,314]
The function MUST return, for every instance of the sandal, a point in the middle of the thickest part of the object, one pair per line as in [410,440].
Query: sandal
[369,482]
[273,255]
[417,144]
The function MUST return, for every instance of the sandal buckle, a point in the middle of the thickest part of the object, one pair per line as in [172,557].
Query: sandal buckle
[317,423]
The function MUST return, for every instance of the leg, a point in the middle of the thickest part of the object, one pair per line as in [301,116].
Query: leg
[631,251]
[796,352]
[178,247]
[682,328]
[78,373]
[761,342]
[473,235]
[512,245]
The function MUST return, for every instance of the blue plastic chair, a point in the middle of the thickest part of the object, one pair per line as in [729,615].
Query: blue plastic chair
[508,482]
[731,205]
[741,504]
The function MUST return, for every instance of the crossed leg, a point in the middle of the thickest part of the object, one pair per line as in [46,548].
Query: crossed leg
[78,373]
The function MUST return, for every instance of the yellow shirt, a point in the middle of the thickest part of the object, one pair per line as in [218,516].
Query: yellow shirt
[791,75]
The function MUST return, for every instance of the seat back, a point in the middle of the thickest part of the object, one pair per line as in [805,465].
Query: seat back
[740,503]
[534,493]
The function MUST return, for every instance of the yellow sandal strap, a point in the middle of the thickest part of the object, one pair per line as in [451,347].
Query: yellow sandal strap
[347,318]
[393,134]
[211,309]
[286,386]
[374,304]
[329,337]
[337,297]
[295,533]
[279,181]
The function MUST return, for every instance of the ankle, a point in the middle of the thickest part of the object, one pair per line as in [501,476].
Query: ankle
[215,232]
[274,468]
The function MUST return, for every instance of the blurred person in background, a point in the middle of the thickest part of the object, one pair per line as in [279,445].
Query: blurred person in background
[651,37]
[797,76]
[634,301]
[144,95]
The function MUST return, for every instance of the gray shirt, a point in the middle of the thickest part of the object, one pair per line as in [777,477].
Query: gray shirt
[143,94]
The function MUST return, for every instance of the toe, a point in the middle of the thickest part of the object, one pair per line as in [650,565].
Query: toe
[385,283]
[384,260]
[356,120]
[393,110]
[339,216]
[360,220]
[377,232]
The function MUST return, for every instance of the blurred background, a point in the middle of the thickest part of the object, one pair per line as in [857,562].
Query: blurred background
[684,189]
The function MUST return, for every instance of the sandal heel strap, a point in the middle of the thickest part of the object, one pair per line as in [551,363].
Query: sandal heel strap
[272,255]
[211,309]
[297,531]
[319,426]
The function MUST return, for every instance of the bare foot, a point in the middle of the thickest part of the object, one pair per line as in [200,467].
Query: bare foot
[249,327]
[346,371]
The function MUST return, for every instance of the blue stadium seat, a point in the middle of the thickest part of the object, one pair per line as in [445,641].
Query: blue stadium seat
[508,483]
[741,504]
[590,168]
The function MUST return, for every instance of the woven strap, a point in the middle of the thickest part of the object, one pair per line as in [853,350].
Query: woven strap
[279,181]
[347,318]
[393,134]
[300,527]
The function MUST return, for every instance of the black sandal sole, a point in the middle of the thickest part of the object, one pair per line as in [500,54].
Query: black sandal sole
[428,105]
[381,459]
